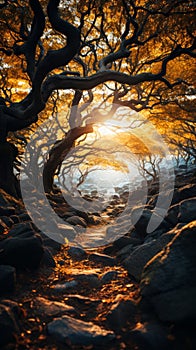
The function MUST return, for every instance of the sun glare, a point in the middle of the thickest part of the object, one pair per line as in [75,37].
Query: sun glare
[105,130]
[109,128]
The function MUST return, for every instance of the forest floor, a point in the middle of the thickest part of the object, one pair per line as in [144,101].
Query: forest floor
[93,307]
[94,287]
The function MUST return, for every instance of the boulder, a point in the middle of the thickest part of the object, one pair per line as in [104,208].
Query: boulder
[15,219]
[52,245]
[125,252]
[141,219]
[7,221]
[51,307]
[82,300]
[172,215]
[184,212]
[169,279]
[13,307]
[22,251]
[24,217]
[69,330]
[125,241]
[78,213]
[7,200]
[3,200]
[20,228]
[151,335]
[187,192]
[141,255]
[3,226]
[77,253]
[120,313]
[95,220]
[87,277]
[62,287]
[47,258]
[7,279]
[8,325]
[187,210]
[172,194]
[76,220]
[108,276]
[102,259]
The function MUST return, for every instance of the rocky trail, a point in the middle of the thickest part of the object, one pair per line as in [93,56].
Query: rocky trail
[91,296]
[135,292]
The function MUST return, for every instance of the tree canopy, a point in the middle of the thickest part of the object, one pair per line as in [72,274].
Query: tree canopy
[58,54]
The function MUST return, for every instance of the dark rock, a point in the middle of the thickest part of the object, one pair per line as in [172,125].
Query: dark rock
[13,306]
[24,217]
[155,235]
[69,213]
[8,325]
[121,313]
[52,308]
[50,243]
[169,279]
[20,228]
[89,278]
[102,259]
[167,194]
[172,215]
[78,213]
[62,287]
[7,211]
[3,200]
[7,221]
[81,214]
[187,192]
[76,220]
[7,278]
[187,210]
[79,230]
[81,299]
[69,330]
[8,200]
[142,223]
[47,258]
[183,336]
[142,254]
[61,262]
[125,241]
[125,252]
[175,197]
[21,252]
[3,226]
[94,220]
[77,253]
[108,276]
[151,336]
[56,198]
[109,249]
[15,219]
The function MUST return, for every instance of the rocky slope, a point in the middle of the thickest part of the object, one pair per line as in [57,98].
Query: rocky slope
[137,292]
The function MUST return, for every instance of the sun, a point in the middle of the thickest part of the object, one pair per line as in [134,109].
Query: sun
[104,130]
[108,128]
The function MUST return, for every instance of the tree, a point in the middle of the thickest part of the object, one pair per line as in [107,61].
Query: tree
[137,53]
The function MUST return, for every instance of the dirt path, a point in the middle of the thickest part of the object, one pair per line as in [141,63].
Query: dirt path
[90,301]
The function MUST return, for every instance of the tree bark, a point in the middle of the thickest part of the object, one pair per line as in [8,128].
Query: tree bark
[59,152]
[8,181]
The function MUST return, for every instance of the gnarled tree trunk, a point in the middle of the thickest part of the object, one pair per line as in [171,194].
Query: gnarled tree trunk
[8,181]
[59,152]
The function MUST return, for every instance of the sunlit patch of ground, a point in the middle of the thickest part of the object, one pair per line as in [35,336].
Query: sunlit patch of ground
[38,284]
